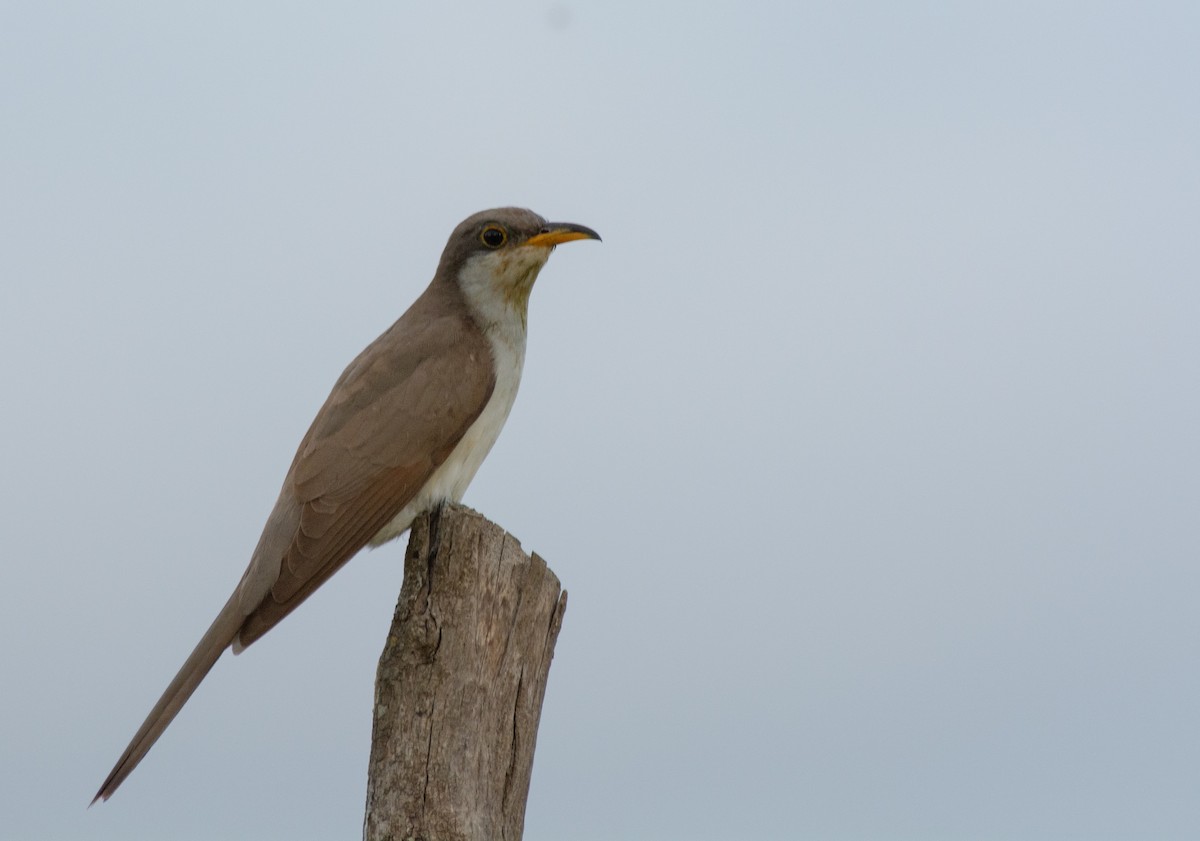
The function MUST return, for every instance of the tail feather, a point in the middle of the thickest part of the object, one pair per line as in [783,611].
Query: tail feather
[210,648]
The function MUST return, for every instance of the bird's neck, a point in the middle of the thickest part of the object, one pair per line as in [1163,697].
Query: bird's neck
[496,291]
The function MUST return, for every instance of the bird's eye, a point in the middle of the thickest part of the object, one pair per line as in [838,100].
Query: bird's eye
[493,236]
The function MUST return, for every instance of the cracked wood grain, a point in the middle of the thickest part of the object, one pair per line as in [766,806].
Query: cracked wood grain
[458,693]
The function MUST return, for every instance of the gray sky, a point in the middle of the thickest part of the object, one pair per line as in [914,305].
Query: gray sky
[866,444]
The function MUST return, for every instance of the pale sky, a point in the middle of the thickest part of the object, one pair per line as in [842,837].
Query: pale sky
[865,444]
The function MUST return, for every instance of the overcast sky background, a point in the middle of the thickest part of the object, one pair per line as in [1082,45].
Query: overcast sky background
[866,443]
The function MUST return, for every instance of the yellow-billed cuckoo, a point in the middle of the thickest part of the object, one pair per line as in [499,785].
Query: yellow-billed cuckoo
[405,428]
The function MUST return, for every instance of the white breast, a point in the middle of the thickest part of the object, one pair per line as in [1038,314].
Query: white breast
[504,327]
[449,482]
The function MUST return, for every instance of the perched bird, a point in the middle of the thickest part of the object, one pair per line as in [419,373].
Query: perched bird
[405,428]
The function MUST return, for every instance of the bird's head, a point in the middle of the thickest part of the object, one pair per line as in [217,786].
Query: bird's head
[495,256]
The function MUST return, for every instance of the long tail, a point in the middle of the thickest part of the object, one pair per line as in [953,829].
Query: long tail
[214,642]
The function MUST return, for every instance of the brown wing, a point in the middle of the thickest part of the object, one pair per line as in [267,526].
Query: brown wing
[394,416]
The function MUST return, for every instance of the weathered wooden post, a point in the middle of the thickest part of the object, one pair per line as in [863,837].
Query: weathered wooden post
[459,690]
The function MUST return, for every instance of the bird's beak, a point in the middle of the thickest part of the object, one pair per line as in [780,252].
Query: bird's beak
[559,232]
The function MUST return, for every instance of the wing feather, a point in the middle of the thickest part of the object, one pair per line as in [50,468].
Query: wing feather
[393,417]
